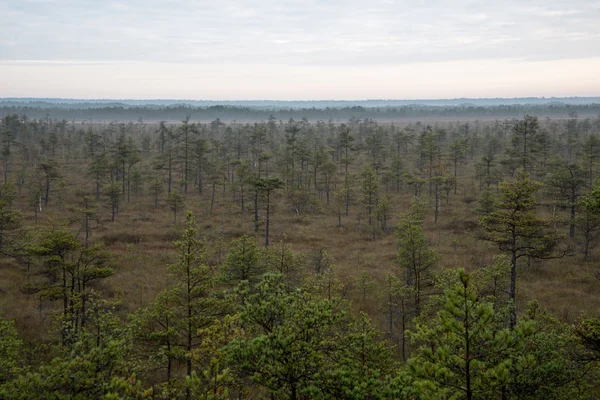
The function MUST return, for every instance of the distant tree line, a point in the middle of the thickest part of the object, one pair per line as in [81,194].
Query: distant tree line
[122,112]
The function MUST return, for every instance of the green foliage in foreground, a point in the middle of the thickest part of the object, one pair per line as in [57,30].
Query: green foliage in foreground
[10,345]
[94,366]
[289,343]
[273,337]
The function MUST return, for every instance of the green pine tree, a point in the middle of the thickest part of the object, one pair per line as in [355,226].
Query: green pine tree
[243,261]
[463,352]
[415,258]
[515,228]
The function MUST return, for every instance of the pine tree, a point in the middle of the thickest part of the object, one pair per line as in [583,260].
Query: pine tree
[216,379]
[50,173]
[98,170]
[487,202]
[516,229]
[304,347]
[464,352]
[9,221]
[156,188]
[243,261]
[565,183]
[88,211]
[588,220]
[175,201]
[191,294]
[282,260]
[383,212]
[524,142]
[370,191]
[365,285]
[113,193]
[95,366]
[415,257]
[345,140]
[266,187]
[590,153]
[588,331]
[10,348]
[457,153]
[156,335]
[293,332]
[69,269]
[394,300]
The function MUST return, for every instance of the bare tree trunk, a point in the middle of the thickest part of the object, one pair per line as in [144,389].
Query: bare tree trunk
[256,211]
[572,221]
[212,200]
[513,289]
[267,220]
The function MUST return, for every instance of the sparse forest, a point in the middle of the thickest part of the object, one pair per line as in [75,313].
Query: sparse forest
[337,254]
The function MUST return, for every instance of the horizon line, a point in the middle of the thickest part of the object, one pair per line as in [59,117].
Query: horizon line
[297,100]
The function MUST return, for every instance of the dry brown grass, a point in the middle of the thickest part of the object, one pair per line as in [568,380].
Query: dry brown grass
[139,242]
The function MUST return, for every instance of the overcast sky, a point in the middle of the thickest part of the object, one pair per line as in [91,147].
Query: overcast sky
[299,49]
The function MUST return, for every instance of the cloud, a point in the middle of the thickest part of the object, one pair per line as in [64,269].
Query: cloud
[310,32]
[559,13]
[310,35]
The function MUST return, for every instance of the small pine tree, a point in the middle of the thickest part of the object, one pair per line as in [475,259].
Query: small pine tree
[383,211]
[588,221]
[175,201]
[487,202]
[156,188]
[113,193]
[191,294]
[243,261]
[464,351]
[370,191]
[415,257]
[10,347]
[514,227]
[282,260]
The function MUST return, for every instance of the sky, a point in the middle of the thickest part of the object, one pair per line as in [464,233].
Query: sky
[299,49]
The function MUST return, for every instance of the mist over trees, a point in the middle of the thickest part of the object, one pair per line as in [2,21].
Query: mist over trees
[171,110]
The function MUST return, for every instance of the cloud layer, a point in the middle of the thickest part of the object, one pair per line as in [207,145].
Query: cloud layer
[294,34]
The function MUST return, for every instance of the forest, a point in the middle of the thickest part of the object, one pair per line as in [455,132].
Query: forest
[339,111]
[411,252]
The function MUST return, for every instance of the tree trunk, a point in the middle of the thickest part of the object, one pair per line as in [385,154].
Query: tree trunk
[128,184]
[212,199]
[256,211]
[97,186]
[189,331]
[87,230]
[513,289]
[403,332]
[267,220]
[170,179]
[5,170]
[47,192]
[572,221]
[242,197]
[347,201]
